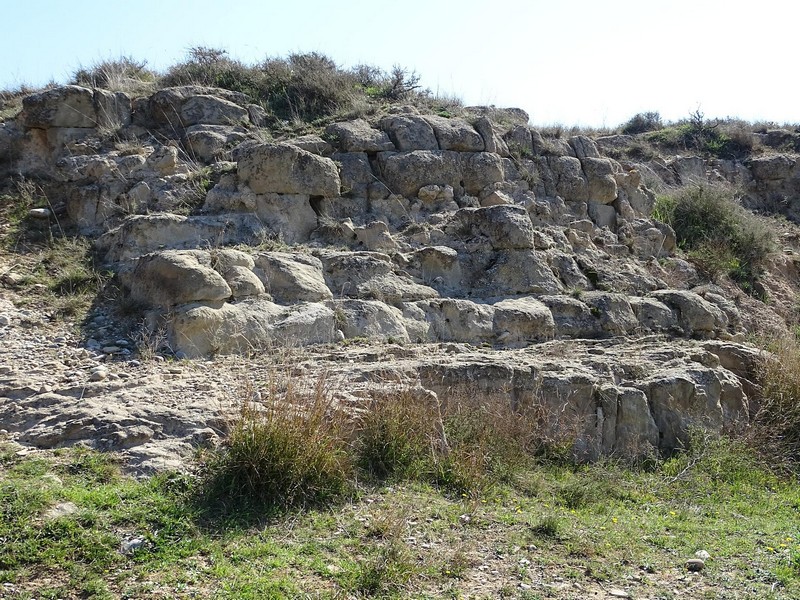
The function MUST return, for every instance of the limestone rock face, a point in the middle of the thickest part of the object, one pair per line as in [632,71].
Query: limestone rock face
[520,321]
[504,227]
[202,330]
[210,110]
[292,277]
[189,105]
[359,136]
[369,319]
[410,132]
[696,315]
[371,276]
[166,279]
[456,134]
[209,142]
[73,106]
[406,172]
[286,169]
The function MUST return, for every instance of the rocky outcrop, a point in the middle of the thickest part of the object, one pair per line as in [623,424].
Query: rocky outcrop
[535,260]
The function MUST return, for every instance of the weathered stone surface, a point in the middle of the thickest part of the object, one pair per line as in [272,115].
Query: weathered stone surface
[600,176]
[570,182]
[695,315]
[613,311]
[210,110]
[243,282]
[410,132]
[371,276]
[456,320]
[206,105]
[209,142]
[290,217]
[171,277]
[480,170]
[571,317]
[199,330]
[292,277]
[141,234]
[505,227]
[455,134]
[67,106]
[358,136]
[406,172]
[520,321]
[370,319]
[492,136]
[584,147]
[286,169]
[355,173]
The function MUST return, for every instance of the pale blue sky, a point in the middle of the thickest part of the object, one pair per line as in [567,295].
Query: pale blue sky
[579,62]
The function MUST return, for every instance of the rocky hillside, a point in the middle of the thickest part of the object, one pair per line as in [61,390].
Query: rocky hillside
[453,255]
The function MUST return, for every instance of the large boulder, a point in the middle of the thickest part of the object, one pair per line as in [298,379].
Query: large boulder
[370,319]
[457,320]
[519,322]
[202,330]
[210,110]
[505,227]
[358,136]
[73,106]
[292,277]
[697,316]
[287,169]
[406,172]
[168,278]
[456,134]
[371,276]
[207,143]
[410,132]
[481,170]
[183,106]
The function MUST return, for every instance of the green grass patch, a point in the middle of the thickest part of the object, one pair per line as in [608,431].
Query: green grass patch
[629,529]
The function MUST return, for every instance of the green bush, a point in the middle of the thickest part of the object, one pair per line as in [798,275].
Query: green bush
[642,122]
[302,86]
[718,234]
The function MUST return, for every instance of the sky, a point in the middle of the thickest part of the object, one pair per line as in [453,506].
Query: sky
[570,62]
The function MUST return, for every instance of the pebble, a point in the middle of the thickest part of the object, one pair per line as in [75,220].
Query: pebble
[5,320]
[59,340]
[39,213]
[98,375]
[695,564]
[134,363]
[5,370]
[62,509]
[181,355]
[92,344]
[131,545]
[111,349]
[45,389]
[702,554]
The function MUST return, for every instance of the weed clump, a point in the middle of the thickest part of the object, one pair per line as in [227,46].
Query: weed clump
[288,451]
[719,235]
[777,431]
